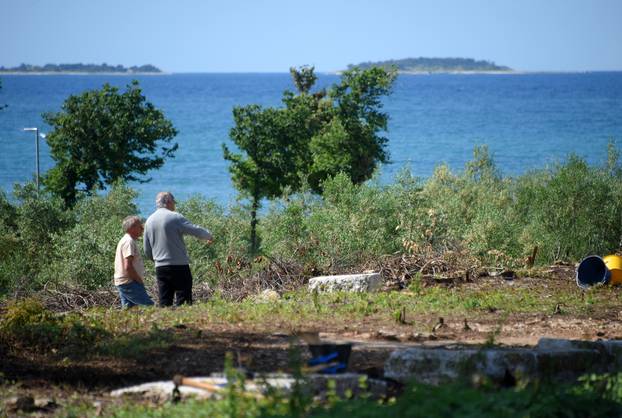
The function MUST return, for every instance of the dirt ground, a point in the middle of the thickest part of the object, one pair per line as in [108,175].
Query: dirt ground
[202,352]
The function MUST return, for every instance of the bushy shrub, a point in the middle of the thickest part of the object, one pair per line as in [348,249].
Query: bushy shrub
[83,255]
[284,229]
[44,243]
[12,255]
[571,210]
[469,210]
[350,225]
[28,324]
[230,231]
[354,223]
[27,227]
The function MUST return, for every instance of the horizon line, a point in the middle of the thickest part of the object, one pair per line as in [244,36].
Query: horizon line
[457,72]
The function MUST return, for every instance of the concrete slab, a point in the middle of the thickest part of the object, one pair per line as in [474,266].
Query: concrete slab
[550,358]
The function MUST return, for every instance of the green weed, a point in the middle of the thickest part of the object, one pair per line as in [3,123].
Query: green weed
[27,324]
[593,396]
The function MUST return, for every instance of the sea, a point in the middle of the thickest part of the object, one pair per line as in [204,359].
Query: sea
[527,120]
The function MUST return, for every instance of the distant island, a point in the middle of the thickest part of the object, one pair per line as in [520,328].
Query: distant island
[81,68]
[435,65]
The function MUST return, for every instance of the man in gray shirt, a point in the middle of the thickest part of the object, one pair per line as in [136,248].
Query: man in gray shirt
[164,244]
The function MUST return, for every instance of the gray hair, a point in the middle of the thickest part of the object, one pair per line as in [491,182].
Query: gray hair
[163,199]
[130,221]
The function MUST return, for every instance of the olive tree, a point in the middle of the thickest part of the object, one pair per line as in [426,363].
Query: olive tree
[351,142]
[261,171]
[102,136]
[312,138]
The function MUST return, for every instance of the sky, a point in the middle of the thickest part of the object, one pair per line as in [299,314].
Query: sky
[273,35]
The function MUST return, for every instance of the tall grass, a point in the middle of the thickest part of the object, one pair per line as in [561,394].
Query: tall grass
[568,210]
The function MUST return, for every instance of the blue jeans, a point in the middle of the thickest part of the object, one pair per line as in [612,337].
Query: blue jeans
[133,293]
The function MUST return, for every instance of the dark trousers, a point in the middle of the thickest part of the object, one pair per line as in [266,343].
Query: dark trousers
[174,282]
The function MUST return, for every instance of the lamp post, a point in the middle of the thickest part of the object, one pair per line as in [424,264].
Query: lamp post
[36,130]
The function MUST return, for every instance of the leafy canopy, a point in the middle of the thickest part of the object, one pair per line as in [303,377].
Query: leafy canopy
[314,137]
[259,133]
[102,136]
[350,141]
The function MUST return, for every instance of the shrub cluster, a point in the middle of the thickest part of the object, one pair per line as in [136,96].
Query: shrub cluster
[567,210]
[28,325]
[43,244]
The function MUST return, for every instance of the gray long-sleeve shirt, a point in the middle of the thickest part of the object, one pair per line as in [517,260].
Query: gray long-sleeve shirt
[164,241]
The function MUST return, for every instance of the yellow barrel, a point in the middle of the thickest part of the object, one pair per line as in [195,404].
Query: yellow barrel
[614,265]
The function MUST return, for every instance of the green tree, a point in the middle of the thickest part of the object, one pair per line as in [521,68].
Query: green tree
[102,136]
[304,78]
[351,142]
[338,130]
[261,171]
[314,137]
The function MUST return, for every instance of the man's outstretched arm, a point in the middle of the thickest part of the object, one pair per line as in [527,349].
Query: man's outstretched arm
[188,228]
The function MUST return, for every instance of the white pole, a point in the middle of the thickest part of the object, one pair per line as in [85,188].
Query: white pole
[36,152]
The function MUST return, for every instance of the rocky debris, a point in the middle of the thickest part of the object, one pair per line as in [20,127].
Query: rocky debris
[422,336]
[504,274]
[387,335]
[24,403]
[550,358]
[162,391]
[364,282]
[45,403]
[267,296]
[28,404]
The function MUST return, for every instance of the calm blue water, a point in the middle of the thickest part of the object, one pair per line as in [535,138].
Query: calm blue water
[527,120]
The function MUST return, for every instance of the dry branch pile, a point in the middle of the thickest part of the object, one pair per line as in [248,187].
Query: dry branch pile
[61,298]
[240,278]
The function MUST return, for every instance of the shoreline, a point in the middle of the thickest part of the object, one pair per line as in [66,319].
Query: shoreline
[75,73]
[461,72]
[484,72]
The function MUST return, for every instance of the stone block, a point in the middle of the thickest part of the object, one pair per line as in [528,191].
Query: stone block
[518,362]
[364,282]
[556,344]
[614,350]
[429,365]
[558,358]
[570,364]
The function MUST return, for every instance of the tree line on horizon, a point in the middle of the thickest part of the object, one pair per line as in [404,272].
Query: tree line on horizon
[81,68]
[423,64]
